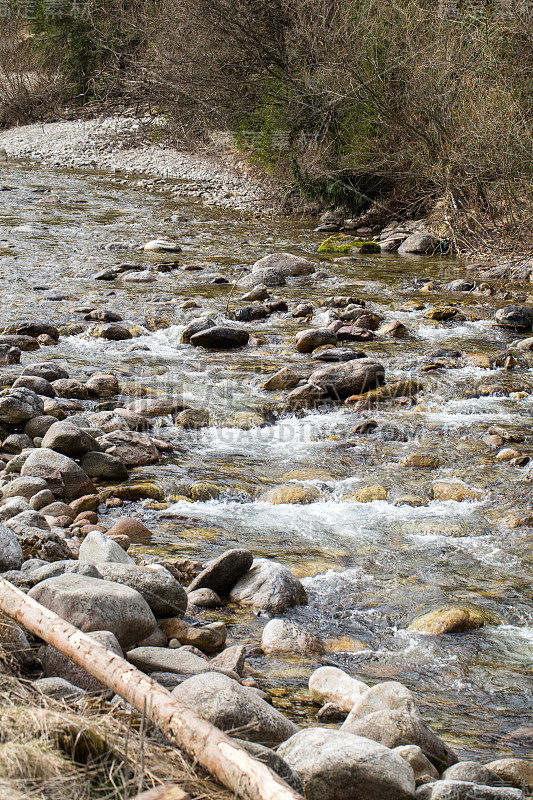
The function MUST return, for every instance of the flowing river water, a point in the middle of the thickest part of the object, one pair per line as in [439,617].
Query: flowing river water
[368,568]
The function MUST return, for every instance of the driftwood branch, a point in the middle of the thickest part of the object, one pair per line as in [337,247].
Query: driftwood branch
[202,741]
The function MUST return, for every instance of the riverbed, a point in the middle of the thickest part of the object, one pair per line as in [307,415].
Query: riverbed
[369,568]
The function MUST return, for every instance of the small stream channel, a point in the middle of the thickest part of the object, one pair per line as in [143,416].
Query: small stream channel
[369,568]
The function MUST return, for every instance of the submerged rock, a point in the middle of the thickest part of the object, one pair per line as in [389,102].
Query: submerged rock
[452,619]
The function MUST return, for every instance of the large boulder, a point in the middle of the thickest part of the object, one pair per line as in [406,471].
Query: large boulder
[339,381]
[72,441]
[419,244]
[334,765]
[133,449]
[472,772]
[11,556]
[333,685]
[19,405]
[23,487]
[64,477]
[37,385]
[397,726]
[262,277]
[223,572]
[288,264]
[269,587]
[163,593]
[92,604]
[228,705]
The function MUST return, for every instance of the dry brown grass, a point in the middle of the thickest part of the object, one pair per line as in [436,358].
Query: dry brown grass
[49,751]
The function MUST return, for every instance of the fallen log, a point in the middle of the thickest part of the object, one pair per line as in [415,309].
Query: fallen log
[202,741]
[163,793]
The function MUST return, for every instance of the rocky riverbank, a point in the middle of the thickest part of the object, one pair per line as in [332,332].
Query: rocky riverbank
[125,145]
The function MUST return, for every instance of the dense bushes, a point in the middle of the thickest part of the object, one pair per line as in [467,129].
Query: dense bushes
[355,97]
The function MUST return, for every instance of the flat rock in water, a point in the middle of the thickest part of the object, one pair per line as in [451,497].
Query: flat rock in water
[288,264]
[163,593]
[262,277]
[228,705]
[64,477]
[223,572]
[92,604]
[338,766]
[220,337]
[270,587]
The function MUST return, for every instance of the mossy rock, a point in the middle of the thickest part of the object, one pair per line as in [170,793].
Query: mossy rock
[205,490]
[452,619]
[293,493]
[344,244]
[140,491]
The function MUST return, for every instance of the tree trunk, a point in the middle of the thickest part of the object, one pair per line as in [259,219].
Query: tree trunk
[202,741]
